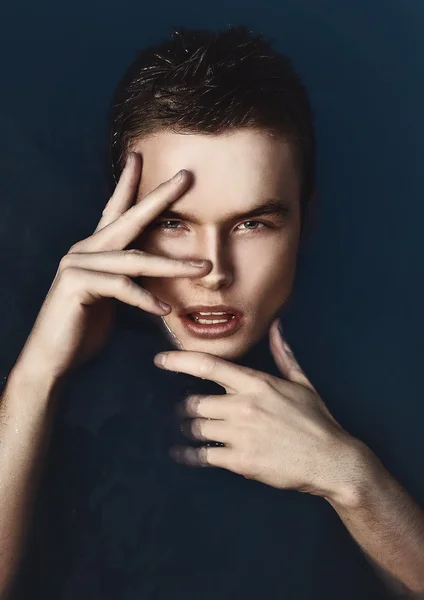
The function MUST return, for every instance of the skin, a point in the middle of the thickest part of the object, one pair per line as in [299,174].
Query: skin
[253,262]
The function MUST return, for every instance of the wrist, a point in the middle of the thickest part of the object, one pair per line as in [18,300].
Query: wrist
[355,469]
[27,375]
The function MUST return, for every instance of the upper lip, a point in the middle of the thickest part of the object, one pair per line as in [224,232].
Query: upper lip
[215,308]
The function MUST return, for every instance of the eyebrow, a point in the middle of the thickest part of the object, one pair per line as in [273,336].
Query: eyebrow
[272,207]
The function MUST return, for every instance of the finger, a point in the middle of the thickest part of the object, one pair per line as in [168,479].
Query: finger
[234,378]
[285,359]
[125,192]
[91,286]
[134,263]
[207,430]
[128,226]
[209,407]
[204,456]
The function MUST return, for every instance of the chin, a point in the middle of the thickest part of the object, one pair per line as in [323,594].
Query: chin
[225,350]
[228,346]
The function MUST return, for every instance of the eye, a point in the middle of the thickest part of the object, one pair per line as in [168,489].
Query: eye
[173,225]
[164,224]
[254,223]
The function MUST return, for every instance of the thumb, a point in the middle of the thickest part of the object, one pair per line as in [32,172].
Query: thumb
[284,357]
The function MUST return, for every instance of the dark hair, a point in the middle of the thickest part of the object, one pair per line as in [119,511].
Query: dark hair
[204,82]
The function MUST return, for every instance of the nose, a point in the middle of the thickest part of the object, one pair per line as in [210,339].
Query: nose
[218,251]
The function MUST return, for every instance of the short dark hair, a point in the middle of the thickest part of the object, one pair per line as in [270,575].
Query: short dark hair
[204,82]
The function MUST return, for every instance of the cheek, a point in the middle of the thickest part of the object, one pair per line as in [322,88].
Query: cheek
[166,245]
[171,248]
[268,263]
[267,276]
[156,285]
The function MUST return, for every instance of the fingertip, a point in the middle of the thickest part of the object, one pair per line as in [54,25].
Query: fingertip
[198,263]
[133,159]
[164,306]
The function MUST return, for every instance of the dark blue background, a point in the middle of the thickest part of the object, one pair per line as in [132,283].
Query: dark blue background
[356,318]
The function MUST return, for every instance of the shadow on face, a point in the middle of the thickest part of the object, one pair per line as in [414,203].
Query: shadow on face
[242,213]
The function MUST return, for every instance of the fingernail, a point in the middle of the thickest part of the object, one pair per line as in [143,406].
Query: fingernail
[178,176]
[197,263]
[130,158]
[164,305]
[159,359]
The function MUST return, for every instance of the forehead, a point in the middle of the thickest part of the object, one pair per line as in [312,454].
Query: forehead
[235,168]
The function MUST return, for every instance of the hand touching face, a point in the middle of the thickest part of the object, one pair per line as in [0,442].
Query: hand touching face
[242,213]
[275,430]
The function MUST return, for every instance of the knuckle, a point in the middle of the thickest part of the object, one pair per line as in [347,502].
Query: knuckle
[261,382]
[75,248]
[248,408]
[196,429]
[207,365]
[125,281]
[192,404]
[262,377]
[133,252]
[65,262]
[69,276]
[203,455]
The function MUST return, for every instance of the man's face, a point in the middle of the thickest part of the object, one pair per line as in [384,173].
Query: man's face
[253,258]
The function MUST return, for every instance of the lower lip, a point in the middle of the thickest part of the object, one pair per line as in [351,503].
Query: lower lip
[212,331]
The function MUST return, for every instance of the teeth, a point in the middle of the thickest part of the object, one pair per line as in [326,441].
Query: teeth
[208,317]
[210,321]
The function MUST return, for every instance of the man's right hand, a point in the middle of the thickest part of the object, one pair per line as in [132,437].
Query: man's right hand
[78,312]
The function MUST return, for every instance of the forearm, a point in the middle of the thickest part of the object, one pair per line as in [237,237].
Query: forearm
[26,410]
[383,518]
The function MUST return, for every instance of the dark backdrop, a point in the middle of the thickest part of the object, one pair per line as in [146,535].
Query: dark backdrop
[356,320]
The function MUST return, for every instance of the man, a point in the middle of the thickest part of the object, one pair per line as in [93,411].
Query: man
[212,259]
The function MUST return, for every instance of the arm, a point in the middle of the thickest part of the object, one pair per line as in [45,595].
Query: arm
[384,520]
[397,589]
[26,409]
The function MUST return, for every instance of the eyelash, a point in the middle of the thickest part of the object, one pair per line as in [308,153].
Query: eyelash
[159,225]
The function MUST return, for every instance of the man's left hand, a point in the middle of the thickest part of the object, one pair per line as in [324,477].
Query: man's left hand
[277,431]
